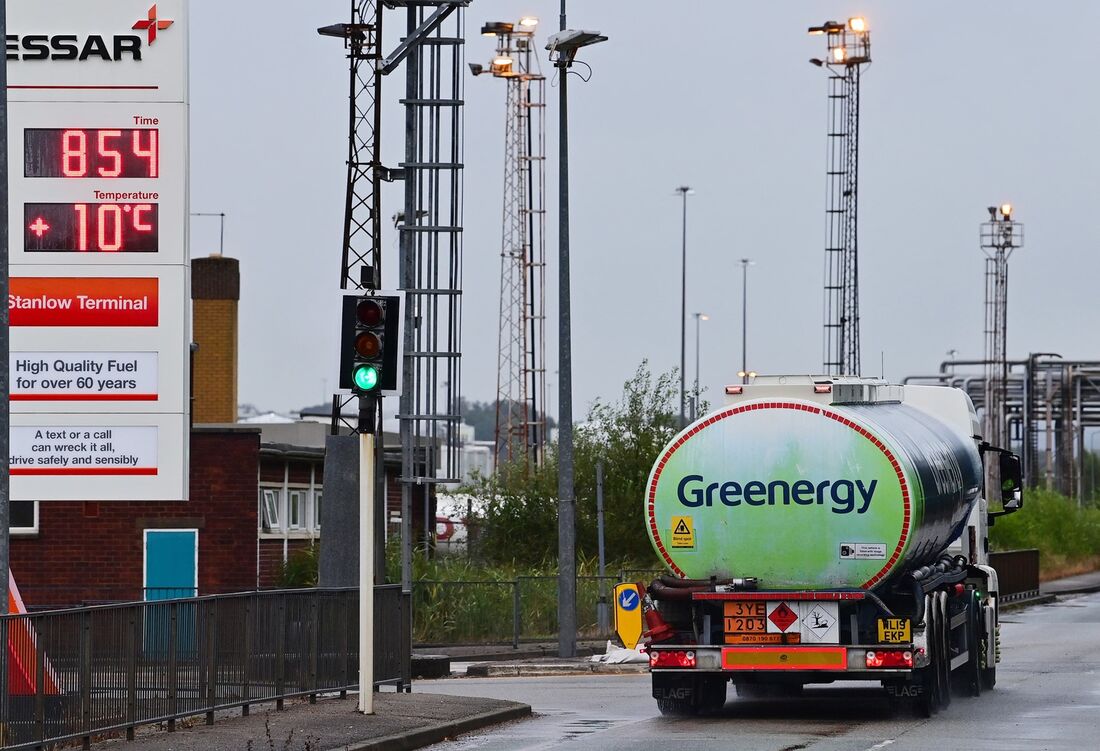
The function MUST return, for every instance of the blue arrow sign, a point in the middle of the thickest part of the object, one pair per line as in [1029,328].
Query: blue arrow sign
[628,599]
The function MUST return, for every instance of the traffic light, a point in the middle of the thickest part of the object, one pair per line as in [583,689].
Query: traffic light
[370,344]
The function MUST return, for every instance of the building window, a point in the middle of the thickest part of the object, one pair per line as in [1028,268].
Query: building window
[270,509]
[317,510]
[23,517]
[295,504]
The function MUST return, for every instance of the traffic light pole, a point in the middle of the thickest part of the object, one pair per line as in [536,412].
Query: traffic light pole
[366,558]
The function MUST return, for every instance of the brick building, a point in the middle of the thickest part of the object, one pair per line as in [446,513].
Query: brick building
[256,494]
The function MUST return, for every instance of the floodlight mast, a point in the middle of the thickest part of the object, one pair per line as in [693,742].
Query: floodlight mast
[563,48]
[999,237]
[848,50]
[520,434]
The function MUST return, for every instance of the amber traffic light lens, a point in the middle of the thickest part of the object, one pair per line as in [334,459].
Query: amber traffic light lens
[367,344]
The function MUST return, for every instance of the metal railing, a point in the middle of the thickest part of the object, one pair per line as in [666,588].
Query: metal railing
[1017,573]
[500,611]
[69,674]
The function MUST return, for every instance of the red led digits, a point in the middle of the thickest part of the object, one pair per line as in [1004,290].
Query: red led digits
[90,227]
[107,153]
[91,152]
[74,153]
[149,153]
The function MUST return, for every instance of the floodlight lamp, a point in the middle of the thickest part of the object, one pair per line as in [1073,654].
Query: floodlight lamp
[528,22]
[992,212]
[741,373]
[565,44]
[840,54]
[1006,210]
[502,64]
[492,28]
[477,68]
[815,31]
[704,317]
[857,24]
[817,61]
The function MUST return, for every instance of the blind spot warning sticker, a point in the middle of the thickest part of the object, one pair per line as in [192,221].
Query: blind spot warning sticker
[683,532]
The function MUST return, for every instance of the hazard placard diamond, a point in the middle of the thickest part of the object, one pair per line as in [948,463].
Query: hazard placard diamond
[782,616]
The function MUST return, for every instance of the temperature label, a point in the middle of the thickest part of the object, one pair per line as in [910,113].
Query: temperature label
[95,227]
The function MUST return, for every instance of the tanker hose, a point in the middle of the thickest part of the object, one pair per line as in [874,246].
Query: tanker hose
[678,583]
[659,590]
[918,597]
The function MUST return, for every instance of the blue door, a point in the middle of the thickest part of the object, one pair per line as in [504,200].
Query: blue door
[171,572]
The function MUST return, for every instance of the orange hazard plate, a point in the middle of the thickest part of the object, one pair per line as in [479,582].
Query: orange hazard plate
[784,658]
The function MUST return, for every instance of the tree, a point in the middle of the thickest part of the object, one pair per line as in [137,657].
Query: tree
[520,520]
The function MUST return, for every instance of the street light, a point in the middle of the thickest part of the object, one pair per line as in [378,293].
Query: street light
[684,191]
[563,48]
[745,263]
[695,399]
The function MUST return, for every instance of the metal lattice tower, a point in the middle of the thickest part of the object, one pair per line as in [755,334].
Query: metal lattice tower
[999,236]
[429,226]
[431,257]
[849,49]
[521,355]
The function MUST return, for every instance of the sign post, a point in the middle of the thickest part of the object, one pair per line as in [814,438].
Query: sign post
[99,299]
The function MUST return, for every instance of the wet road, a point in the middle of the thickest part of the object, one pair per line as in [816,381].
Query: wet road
[1047,697]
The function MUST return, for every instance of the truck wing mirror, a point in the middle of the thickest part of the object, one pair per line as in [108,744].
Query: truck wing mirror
[1012,482]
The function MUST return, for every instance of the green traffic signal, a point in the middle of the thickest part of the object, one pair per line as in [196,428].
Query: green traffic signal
[365,377]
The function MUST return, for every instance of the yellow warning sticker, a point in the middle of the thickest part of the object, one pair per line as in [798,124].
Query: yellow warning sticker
[683,532]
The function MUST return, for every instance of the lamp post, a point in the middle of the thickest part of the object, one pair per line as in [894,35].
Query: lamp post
[745,263]
[684,191]
[695,398]
[563,48]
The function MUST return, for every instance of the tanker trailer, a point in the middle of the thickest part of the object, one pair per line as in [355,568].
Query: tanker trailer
[819,529]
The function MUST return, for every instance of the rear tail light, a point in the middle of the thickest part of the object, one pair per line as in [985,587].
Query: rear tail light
[734,390]
[672,658]
[890,659]
[823,389]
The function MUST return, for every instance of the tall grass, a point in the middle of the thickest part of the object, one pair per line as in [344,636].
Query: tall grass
[460,601]
[1067,536]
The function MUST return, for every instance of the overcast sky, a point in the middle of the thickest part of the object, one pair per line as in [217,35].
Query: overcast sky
[966,105]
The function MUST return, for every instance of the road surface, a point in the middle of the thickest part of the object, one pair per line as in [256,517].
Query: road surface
[1047,697]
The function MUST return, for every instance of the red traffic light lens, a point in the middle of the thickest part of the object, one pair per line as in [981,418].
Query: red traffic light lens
[369,312]
[367,344]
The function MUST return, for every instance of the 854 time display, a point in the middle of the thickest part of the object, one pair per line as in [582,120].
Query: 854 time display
[90,227]
[91,152]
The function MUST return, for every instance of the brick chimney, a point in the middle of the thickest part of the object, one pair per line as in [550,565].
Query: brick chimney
[215,290]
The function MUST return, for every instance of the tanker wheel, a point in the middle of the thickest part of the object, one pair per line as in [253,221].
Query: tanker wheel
[967,681]
[944,639]
[928,702]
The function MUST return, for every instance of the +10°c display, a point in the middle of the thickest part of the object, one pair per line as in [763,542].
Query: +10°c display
[91,153]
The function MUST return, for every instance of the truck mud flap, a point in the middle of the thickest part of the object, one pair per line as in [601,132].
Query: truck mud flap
[674,686]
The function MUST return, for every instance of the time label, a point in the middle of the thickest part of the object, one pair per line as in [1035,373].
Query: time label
[90,227]
[91,152]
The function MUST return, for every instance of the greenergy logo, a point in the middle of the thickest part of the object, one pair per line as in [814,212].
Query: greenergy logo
[843,496]
[92,46]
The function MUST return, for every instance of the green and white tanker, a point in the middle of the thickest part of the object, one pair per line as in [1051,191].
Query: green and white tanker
[833,485]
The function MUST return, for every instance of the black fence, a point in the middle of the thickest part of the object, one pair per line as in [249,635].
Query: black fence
[69,674]
[1017,573]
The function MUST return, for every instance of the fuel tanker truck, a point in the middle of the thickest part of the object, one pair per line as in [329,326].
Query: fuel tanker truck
[820,529]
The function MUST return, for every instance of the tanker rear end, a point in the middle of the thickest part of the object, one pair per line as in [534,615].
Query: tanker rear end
[820,529]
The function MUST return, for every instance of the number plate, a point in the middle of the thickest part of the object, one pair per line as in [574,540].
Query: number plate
[893,630]
[746,623]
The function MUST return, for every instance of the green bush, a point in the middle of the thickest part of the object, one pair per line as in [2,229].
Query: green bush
[1067,536]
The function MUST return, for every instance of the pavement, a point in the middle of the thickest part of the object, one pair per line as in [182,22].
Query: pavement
[1072,585]
[400,722]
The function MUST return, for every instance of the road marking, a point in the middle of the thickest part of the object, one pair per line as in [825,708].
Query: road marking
[884,744]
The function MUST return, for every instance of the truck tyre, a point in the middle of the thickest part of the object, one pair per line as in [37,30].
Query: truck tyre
[944,640]
[928,702]
[968,678]
[676,707]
